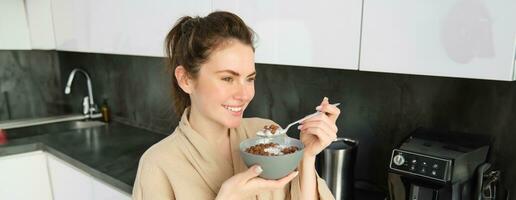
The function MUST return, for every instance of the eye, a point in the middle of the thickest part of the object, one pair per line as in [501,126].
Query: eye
[251,79]
[227,79]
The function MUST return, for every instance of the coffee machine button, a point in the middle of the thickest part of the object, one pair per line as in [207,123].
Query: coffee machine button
[424,163]
[412,168]
[435,166]
[423,170]
[398,160]
[434,173]
[414,161]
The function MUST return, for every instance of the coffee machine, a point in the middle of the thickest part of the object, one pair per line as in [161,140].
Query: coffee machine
[433,164]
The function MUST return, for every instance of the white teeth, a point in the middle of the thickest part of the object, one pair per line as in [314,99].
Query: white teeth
[233,109]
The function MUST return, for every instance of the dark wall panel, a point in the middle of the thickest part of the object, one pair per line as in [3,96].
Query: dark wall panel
[29,84]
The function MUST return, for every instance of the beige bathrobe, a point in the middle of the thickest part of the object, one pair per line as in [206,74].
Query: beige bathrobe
[185,166]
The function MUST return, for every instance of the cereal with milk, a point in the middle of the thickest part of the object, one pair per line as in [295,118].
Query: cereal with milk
[269,131]
[271,149]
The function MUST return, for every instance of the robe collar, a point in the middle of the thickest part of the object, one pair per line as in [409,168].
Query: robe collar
[205,157]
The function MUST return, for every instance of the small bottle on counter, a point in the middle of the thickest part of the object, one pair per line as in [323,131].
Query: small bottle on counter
[104,109]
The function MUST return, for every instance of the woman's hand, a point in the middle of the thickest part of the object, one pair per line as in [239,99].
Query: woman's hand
[319,131]
[248,183]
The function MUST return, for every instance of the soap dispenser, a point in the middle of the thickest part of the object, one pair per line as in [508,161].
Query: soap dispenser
[104,109]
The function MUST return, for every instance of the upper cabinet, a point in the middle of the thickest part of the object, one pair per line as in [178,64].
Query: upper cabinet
[459,38]
[119,26]
[26,25]
[14,30]
[302,33]
[41,27]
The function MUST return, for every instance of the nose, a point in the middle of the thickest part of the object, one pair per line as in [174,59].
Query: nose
[244,92]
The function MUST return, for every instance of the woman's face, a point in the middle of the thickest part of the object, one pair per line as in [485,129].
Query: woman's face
[225,84]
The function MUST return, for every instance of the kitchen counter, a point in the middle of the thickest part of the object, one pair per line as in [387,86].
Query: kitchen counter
[109,153]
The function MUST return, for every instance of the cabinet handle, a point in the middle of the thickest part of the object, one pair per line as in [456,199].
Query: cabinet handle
[514,59]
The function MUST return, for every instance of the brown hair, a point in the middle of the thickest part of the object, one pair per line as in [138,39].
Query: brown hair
[191,41]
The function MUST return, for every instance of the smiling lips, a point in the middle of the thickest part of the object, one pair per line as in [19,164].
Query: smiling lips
[236,109]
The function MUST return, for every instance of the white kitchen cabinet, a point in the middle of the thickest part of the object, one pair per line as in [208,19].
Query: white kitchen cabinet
[118,26]
[38,175]
[26,25]
[41,27]
[102,191]
[24,177]
[69,182]
[302,33]
[14,30]
[459,38]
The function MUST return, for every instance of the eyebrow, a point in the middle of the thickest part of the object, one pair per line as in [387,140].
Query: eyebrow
[234,73]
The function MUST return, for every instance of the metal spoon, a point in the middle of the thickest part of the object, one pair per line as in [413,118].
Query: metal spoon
[284,131]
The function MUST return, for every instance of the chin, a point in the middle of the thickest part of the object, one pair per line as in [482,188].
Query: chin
[234,123]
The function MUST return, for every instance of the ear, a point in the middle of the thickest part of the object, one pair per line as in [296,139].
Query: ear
[183,79]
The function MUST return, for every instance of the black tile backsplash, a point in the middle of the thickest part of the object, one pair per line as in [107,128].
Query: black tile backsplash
[378,109]
[136,88]
[29,84]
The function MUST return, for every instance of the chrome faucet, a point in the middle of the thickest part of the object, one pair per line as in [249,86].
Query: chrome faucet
[89,107]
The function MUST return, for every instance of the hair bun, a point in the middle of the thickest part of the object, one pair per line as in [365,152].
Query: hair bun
[189,24]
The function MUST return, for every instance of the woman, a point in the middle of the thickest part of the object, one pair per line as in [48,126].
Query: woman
[213,73]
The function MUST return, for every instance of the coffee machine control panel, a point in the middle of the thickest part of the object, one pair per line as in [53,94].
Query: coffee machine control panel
[421,165]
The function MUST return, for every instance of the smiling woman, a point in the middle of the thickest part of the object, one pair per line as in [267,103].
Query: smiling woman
[211,61]
[223,87]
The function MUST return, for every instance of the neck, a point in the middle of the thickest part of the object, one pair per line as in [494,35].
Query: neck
[208,129]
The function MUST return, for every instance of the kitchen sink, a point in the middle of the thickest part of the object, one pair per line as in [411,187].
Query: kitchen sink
[51,128]
[85,124]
